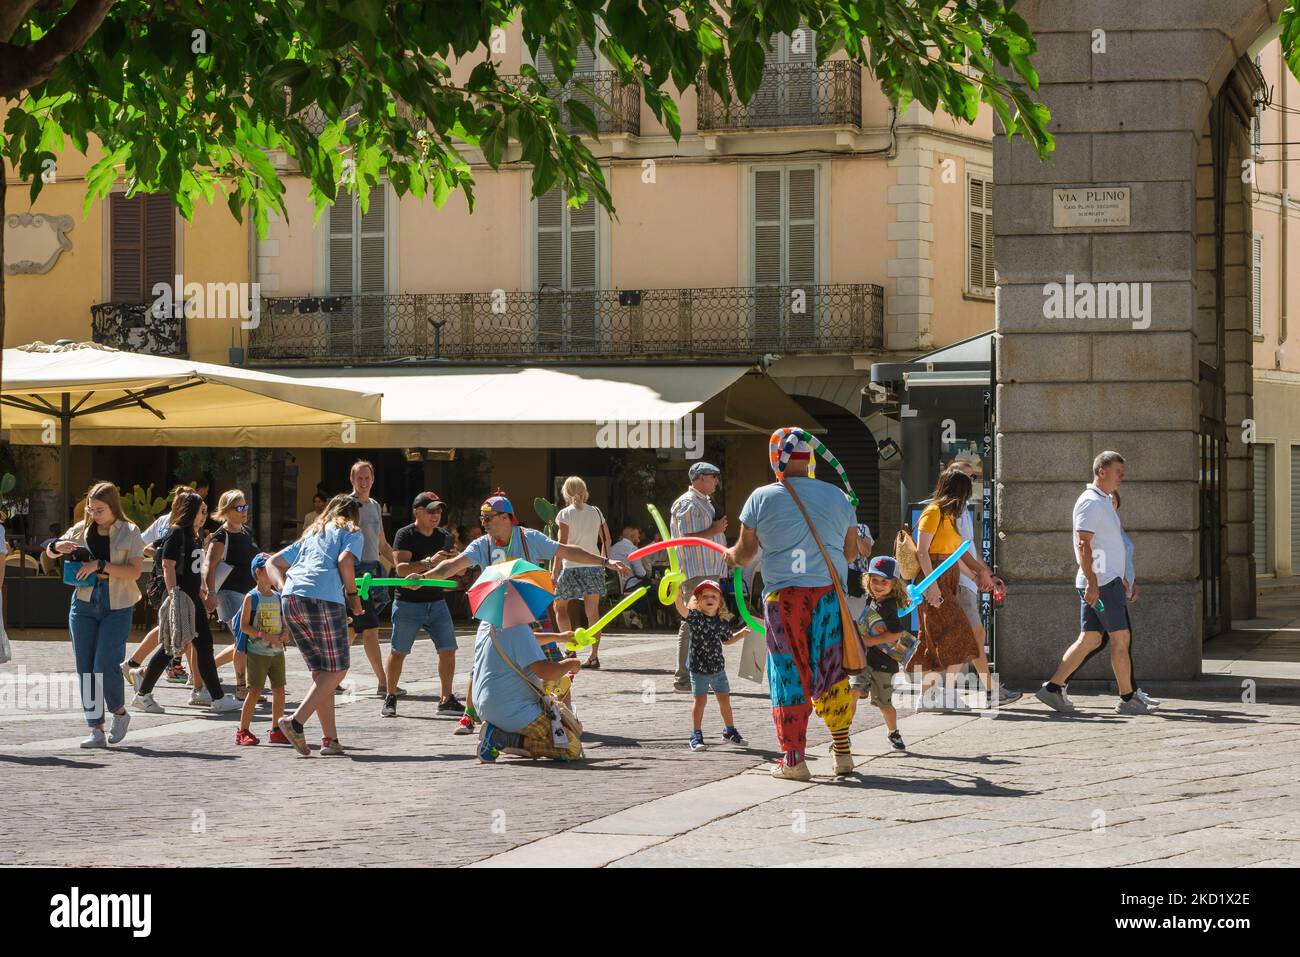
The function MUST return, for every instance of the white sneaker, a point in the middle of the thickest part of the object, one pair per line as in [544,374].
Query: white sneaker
[145,704]
[953,701]
[1150,701]
[120,723]
[201,697]
[96,739]
[226,704]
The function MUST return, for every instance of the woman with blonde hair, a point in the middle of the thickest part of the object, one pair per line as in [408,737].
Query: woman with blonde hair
[111,553]
[233,545]
[316,578]
[583,525]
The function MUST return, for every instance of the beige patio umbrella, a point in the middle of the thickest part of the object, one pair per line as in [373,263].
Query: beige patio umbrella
[86,388]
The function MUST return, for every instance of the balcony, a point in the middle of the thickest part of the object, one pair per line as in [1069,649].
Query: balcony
[133,327]
[622,116]
[623,113]
[790,95]
[742,322]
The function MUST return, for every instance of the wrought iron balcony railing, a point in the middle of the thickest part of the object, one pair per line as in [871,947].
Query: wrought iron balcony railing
[133,326]
[601,324]
[790,95]
[623,113]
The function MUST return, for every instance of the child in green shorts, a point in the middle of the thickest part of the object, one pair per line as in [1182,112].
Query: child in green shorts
[261,624]
[882,629]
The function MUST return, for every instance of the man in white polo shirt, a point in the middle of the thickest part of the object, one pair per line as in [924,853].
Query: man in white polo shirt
[1103,609]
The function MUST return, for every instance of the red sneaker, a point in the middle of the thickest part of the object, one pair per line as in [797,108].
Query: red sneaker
[244,736]
[277,737]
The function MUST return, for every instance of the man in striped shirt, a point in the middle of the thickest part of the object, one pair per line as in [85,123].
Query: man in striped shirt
[693,515]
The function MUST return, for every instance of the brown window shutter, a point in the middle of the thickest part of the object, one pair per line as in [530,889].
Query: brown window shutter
[143,246]
[126,256]
[159,243]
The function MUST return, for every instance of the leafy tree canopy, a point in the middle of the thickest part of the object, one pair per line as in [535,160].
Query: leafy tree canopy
[188,97]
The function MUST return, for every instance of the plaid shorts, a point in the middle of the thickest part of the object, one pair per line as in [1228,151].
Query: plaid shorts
[320,630]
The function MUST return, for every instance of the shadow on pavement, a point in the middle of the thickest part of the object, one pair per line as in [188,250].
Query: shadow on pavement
[982,786]
[1084,716]
[49,762]
[979,759]
[151,753]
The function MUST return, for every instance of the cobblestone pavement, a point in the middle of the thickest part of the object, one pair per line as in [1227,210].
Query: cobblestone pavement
[178,791]
[1210,780]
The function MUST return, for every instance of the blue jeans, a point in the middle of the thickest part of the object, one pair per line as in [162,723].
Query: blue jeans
[99,643]
[410,616]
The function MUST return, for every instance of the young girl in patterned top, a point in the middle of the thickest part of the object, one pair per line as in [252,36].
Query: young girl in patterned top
[706,620]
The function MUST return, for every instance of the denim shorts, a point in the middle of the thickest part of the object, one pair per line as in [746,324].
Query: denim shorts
[410,616]
[1113,617]
[703,684]
[229,604]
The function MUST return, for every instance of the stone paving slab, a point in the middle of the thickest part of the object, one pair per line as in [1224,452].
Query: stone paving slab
[1209,780]
[179,792]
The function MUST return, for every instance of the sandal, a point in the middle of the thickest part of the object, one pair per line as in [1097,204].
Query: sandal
[591,664]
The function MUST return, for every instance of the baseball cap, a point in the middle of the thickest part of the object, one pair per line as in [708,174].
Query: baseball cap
[707,583]
[497,503]
[883,566]
[428,501]
[259,561]
[702,468]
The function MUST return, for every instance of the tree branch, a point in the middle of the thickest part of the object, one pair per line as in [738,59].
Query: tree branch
[25,67]
[12,13]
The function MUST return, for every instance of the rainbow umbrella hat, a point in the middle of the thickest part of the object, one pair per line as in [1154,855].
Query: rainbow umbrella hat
[513,592]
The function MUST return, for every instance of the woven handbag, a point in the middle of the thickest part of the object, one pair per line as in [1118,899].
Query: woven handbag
[909,566]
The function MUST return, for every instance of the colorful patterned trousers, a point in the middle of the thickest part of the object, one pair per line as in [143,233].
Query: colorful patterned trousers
[805,665]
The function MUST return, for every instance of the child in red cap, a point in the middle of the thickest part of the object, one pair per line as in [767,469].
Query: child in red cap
[706,619]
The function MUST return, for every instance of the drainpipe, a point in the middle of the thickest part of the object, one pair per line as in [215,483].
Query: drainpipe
[1284,74]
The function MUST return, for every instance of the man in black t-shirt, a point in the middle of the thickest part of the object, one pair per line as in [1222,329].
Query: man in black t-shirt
[417,548]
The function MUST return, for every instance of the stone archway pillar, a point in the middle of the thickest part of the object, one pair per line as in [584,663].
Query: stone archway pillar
[1125,376]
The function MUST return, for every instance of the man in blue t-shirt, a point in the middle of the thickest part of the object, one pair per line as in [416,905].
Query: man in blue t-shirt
[801,609]
[496,692]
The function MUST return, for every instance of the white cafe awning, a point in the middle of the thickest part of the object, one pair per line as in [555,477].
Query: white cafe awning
[560,406]
[116,397]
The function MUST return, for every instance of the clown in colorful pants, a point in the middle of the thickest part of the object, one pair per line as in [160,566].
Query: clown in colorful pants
[805,667]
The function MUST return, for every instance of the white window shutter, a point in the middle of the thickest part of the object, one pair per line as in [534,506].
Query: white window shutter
[568,265]
[550,240]
[341,246]
[767,227]
[585,61]
[979,236]
[801,220]
[1257,285]
[372,269]
[582,246]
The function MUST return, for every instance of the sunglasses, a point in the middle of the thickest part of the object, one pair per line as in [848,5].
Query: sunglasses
[241,509]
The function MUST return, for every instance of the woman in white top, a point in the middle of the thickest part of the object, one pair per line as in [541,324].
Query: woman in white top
[318,505]
[581,525]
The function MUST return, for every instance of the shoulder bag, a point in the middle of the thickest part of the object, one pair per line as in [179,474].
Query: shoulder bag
[909,566]
[551,705]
